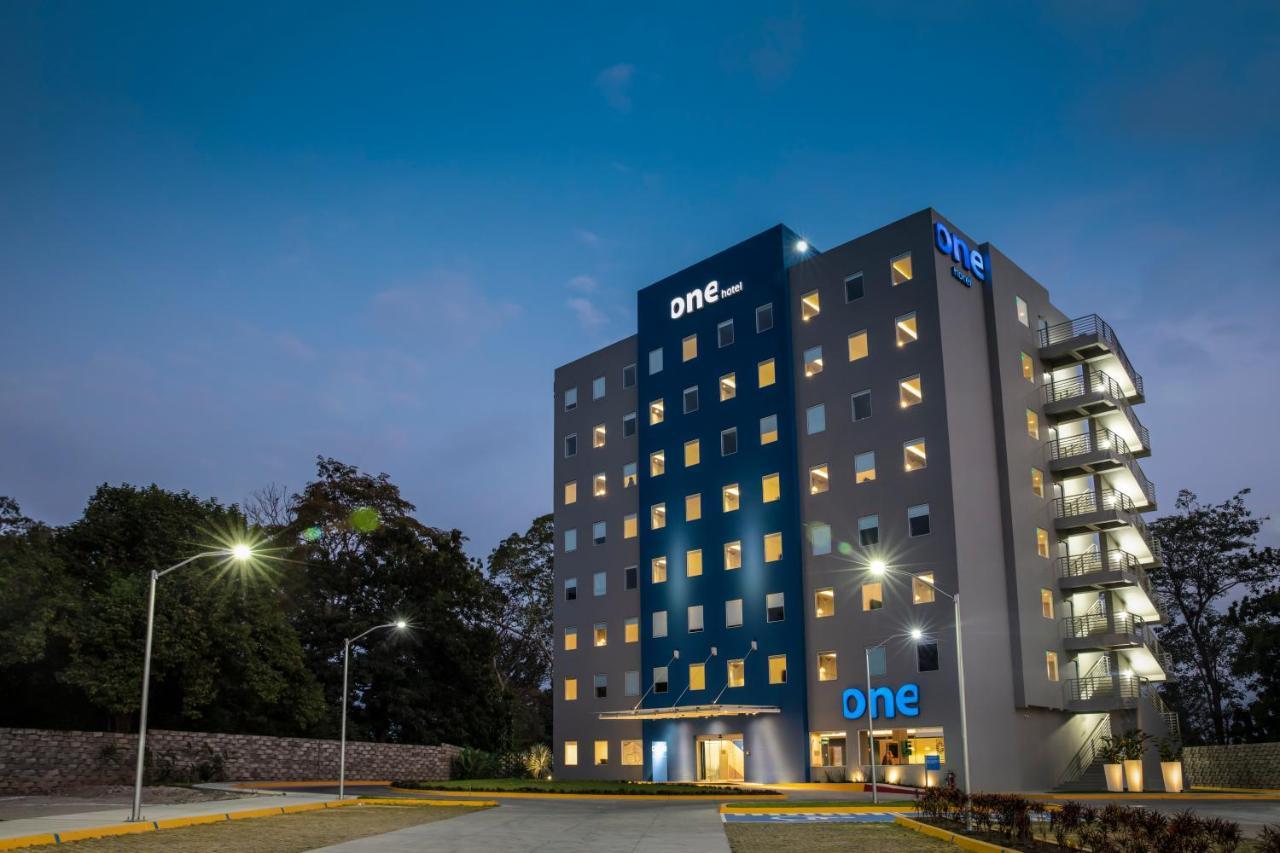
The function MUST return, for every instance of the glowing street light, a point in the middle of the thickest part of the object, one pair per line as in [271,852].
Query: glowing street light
[399,625]
[239,552]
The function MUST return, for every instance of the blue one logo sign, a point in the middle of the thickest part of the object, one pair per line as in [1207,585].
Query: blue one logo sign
[885,702]
[953,245]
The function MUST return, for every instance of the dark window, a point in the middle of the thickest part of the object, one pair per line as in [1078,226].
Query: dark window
[927,657]
[629,425]
[853,287]
[691,399]
[660,679]
[629,376]
[571,590]
[918,520]
[632,575]
[764,318]
[862,405]
[774,608]
[602,686]
[724,333]
[571,445]
[869,530]
[729,441]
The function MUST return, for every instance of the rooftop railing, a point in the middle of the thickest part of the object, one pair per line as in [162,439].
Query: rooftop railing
[1094,326]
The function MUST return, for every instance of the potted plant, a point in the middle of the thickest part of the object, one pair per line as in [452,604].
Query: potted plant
[1109,752]
[1171,763]
[1132,744]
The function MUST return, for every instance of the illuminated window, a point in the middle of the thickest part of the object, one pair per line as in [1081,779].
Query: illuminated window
[597,435]
[812,361]
[602,752]
[864,467]
[815,419]
[691,399]
[909,391]
[869,530]
[1051,665]
[769,485]
[732,555]
[918,520]
[655,361]
[632,753]
[810,306]
[819,479]
[571,539]
[571,753]
[900,269]
[733,613]
[1037,482]
[693,562]
[599,486]
[570,445]
[764,373]
[692,507]
[913,455]
[657,463]
[629,526]
[724,333]
[927,656]
[628,475]
[1021,305]
[859,348]
[872,595]
[629,425]
[731,497]
[570,689]
[861,405]
[728,387]
[597,388]
[922,591]
[768,429]
[777,669]
[689,348]
[660,677]
[764,318]
[658,569]
[905,329]
[659,625]
[772,547]
[1028,368]
[629,376]
[853,287]
[820,538]
[692,453]
[631,682]
[695,619]
[1046,604]
[827,666]
[571,492]
[774,606]
[600,635]
[656,412]
[1033,424]
[697,676]
[570,399]
[598,530]
[737,673]
[570,639]
[1042,542]
[824,603]
[657,516]
[600,683]
[729,441]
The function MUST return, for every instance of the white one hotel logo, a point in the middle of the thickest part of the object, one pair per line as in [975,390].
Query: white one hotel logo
[695,299]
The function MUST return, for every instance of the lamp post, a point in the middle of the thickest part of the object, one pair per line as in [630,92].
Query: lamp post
[239,553]
[399,625]
[871,726]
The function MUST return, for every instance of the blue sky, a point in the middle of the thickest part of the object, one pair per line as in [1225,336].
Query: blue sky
[235,237]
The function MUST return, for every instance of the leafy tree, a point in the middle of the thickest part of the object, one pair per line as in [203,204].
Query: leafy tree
[1259,616]
[1210,557]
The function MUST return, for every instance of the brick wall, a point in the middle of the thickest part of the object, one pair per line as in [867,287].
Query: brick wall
[1245,765]
[42,761]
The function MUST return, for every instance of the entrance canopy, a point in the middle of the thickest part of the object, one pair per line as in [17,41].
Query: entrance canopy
[682,712]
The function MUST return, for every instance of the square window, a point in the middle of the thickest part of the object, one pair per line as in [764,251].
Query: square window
[691,400]
[632,753]
[571,753]
[922,591]
[656,412]
[733,613]
[1020,305]
[1033,424]
[571,690]
[629,425]
[628,475]
[571,445]
[861,405]
[729,441]
[629,376]
[724,333]
[777,669]
[732,555]
[824,603]
[927,657]
[731,497]
[692,507]
[689,348]
[1046,603]
[570,639]
[820,538]
[602,752]
[770,488]
[658,570]
[597,435]
[1028,367]
[1051,665]
[909,391]
[630,527]
[631,682]
[601,684]
[900,269]
[864,467]
[1042,542]
[869,530]
[918,520]
[1037,482]
[655,361]
[631,577]
[768,429]
[693,563]
[872,595]
[859,348]
[812,361]
[853,287]
[695,618]
[571,492]
[600,635]
[659,623]
[728,387]
[657,516]
[815,418]
[660,676]
[597,388]
[736,673]
[819,479]
[697,676]
[827,666]
[570,589]
[599,486]
[570,399]
[914,456]
[692,453]
[905,331]
[571,539]
[764,373]
[764,318]
[598,533]
[657,463]
[772,547]
[810,306]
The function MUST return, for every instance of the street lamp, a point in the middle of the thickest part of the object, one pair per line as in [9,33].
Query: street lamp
[240,553]
[871,726]
[399,625]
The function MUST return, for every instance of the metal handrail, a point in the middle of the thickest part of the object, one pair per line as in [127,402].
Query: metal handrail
[1080,627]
[1091,324]
[1087,753]
[1114,560]
[1103,439]
[1124,687]
[1084,503]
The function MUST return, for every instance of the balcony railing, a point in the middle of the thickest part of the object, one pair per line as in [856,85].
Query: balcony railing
[1123,689]
[1098,624]
[1091,326]
[1098,562]
[1103,440]
[1096,382]
[1090,502]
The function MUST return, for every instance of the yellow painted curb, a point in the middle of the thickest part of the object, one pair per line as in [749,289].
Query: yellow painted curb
[961,841]
[418,801]
[337,804]
[644,798]
[27,841]
[179,822]
[105,831]
[252,813]
[302,807]
[835,808]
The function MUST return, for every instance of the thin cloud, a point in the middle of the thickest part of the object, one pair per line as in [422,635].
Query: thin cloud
[583,284]
[591,318]
[614,83]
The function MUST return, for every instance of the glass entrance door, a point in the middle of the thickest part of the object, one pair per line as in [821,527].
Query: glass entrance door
[721,759]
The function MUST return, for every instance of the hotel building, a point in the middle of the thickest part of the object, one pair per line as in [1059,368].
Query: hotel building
[767,498]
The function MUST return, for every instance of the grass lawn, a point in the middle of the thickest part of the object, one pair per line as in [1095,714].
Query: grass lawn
[291,833]
[579,786]
[824,837]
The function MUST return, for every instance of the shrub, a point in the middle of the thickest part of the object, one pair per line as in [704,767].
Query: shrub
[1170,748]
[1269,840]
[537,761]
[1065,821]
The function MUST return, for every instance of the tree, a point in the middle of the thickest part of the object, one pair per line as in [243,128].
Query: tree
[1259,617]
[1209,558]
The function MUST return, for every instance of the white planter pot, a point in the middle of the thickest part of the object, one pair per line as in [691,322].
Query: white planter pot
[1133,775]
[1172,773]
[1115,776]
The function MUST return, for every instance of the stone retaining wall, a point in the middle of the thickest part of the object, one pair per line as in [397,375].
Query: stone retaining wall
[43,761]
[1244,765]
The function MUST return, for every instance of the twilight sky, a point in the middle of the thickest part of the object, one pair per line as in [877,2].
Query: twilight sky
[234,238]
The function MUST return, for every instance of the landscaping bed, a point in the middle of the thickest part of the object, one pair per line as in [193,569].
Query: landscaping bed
[581,786]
